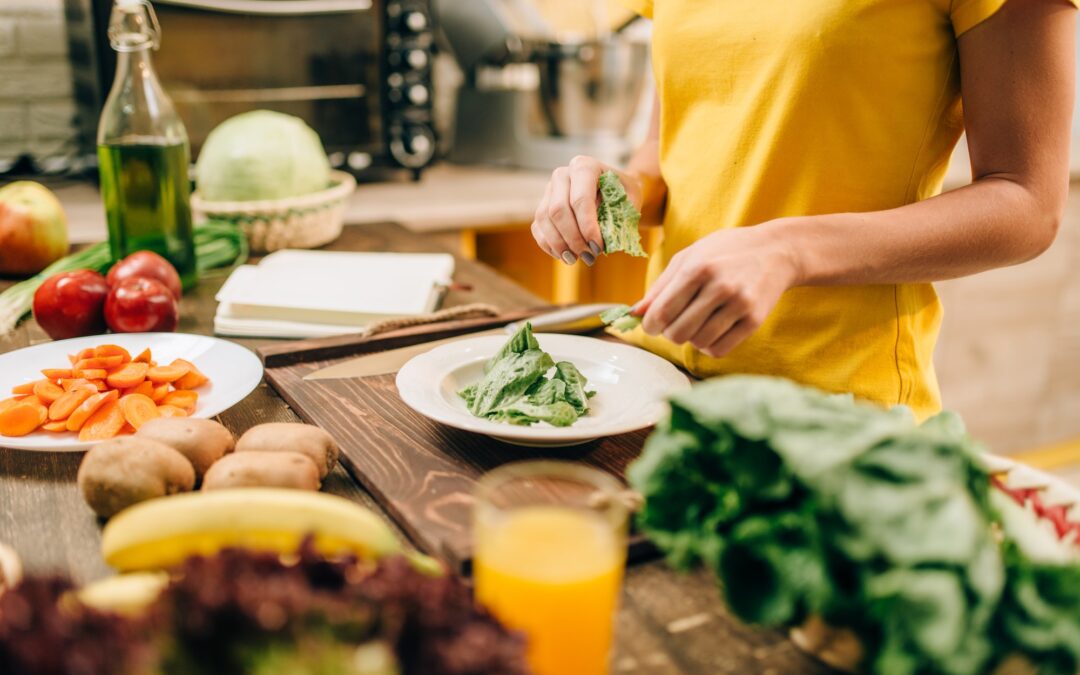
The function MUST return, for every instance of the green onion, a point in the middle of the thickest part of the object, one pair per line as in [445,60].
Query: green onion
[217,244]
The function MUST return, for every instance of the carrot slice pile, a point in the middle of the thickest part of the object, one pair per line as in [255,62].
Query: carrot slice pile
[104,393]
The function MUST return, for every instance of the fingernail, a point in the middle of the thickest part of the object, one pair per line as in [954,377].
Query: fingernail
[596,248]
[569,258]
[588,258]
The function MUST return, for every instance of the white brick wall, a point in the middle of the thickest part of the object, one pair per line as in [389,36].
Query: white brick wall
[36,104]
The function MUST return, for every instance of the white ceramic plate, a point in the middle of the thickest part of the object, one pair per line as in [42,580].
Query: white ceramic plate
[631,384]
[234,372]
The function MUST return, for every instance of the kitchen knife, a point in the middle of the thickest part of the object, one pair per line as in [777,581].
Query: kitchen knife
[579,319]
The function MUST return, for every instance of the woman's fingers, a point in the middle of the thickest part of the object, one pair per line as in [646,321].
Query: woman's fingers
[670,302]
[561,214]
[541,229]
[722,320]
[731,339]
[693,320]
[584,178]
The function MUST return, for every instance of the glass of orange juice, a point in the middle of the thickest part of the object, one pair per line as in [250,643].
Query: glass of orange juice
[550,548]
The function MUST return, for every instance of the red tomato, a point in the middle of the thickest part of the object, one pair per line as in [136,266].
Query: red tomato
[140,305]
[70,304]
[146,264]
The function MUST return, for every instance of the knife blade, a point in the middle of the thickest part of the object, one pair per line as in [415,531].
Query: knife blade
[579,319]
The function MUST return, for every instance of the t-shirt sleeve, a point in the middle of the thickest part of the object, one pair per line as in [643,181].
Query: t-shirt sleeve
[966,14]
[642,7]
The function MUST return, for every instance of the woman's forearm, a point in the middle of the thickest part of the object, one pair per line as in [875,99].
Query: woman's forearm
[993,222]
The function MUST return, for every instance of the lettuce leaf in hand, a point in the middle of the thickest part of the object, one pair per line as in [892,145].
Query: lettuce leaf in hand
[620,318]
[618,218]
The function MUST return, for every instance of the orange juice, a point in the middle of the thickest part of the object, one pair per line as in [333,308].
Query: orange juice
[554,573]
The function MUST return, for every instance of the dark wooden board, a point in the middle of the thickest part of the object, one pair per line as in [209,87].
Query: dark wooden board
[422,472]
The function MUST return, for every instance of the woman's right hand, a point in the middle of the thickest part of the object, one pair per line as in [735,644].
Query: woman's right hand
[565,225]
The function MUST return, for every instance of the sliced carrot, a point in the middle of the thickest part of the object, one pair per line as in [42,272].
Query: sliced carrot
[105,423]
[144,356]
[8,402]
[73,359]
[57,373]
[47,391]
[62,407]
[193,380]
[146,388]
[59,425]
[160,392]
[131,375]
[138,409]
[160,374]
[90,373]
[22,418]
[126,430]
[87,353]
[25,388]
[183,399]
[112,350]
[99,362]
[171,411]
[71,383]
[100,385]
[88,407]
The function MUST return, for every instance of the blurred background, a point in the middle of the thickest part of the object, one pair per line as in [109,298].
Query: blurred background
[451,114]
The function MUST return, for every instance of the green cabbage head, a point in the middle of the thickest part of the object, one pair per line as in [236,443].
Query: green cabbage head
[261,155]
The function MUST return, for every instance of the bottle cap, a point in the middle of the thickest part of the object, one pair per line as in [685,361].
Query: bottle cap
[133,25]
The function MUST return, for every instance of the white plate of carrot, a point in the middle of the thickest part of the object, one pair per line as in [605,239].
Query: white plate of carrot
[67,395]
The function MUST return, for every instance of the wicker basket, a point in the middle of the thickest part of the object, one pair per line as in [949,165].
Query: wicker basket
[306,221]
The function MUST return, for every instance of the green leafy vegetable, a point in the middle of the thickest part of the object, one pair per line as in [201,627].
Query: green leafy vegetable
[807,504]
[620,318]
[618,218]
[515,389]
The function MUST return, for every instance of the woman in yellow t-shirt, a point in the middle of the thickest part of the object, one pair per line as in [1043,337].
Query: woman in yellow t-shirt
[795,160]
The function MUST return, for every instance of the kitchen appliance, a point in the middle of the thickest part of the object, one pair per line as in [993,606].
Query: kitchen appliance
[357,71]
[546,80]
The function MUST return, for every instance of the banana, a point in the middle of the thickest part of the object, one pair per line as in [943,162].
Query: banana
[161,533]
[124,593]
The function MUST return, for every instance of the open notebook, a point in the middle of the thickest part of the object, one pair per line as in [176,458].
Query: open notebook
[299,294]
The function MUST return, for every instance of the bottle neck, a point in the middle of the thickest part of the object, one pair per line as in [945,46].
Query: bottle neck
[134,67]
[137,109]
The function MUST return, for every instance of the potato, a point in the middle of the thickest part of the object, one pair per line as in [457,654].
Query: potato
[263,469]
[203,442]
[128,470]
[285,437]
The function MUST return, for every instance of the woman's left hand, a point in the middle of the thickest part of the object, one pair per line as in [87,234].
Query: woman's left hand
[717,291]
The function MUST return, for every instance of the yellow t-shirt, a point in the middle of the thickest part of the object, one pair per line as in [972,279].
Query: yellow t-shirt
[775,108]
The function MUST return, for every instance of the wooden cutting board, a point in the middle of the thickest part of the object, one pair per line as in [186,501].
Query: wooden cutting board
[422,472]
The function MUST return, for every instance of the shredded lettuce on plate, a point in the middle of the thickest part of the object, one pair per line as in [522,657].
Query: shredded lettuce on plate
[516,389]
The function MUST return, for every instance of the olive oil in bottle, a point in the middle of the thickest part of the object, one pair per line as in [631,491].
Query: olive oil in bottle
[143,151]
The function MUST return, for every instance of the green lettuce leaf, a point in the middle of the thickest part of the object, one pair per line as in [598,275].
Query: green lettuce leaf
[515,389]
[620,318]
[574,392]
[618,218]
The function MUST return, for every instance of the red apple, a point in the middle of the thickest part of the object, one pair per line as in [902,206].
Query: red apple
[146,264]
[140,305]
[70,304]
[33,228]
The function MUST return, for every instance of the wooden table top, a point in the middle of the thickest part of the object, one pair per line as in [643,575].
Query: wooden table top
[668,624]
